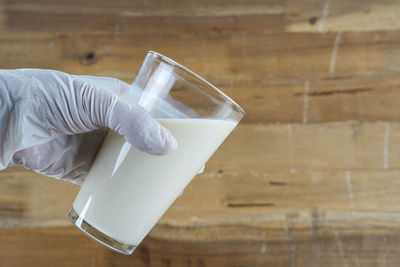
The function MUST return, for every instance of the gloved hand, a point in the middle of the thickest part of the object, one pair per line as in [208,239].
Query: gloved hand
[54,123]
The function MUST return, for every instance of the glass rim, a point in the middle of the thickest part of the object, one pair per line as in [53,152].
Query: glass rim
[180,66]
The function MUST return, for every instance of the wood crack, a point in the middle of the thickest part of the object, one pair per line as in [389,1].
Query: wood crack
[335,92]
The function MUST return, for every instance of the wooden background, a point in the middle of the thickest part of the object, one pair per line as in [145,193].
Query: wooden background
[311,176]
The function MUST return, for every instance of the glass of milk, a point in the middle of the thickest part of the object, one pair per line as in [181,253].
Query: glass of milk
[127,191]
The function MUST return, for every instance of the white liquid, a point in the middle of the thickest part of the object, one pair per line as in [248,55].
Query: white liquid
[126,203]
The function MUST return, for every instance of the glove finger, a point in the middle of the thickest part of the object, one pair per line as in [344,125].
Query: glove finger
[140,129]
[131,94]
[115,86]
[106,109]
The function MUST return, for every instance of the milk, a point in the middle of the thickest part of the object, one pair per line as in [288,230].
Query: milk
[127,191]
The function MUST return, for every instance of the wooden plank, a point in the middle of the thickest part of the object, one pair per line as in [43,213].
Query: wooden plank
[243,57]
[29,247]
[214,205]
[327,15]
[204,8]
[23,21]
[30,199]
[337,146]
[300,16]
[266,74]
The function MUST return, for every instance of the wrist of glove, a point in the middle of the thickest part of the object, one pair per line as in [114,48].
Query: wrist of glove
[54,123]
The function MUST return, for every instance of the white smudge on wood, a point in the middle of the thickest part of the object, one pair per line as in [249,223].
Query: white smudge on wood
[334,52]
[386,146]
[348,182]
[324,15]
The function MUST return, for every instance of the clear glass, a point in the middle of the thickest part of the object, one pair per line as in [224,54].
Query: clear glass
[127,191]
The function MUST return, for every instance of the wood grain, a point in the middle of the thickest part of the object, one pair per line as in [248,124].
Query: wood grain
[269,82]
[115,24]
[3,18]
[310,178]
[71,248]
[205,8]
[327,15]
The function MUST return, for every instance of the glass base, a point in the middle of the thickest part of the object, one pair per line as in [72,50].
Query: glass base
[99,236]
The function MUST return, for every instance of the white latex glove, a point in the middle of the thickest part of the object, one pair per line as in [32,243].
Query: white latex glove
[54,123]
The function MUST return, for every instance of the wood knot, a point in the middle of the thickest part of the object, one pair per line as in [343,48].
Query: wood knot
[312,20]
[216,29]
[89,58]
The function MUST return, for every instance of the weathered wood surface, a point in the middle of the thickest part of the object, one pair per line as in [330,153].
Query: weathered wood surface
[271,75]
[311,176]
[66,247]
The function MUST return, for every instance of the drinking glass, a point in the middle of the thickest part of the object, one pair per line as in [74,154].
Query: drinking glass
[126,190]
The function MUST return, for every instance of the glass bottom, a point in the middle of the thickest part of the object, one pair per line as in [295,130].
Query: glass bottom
[99,236]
